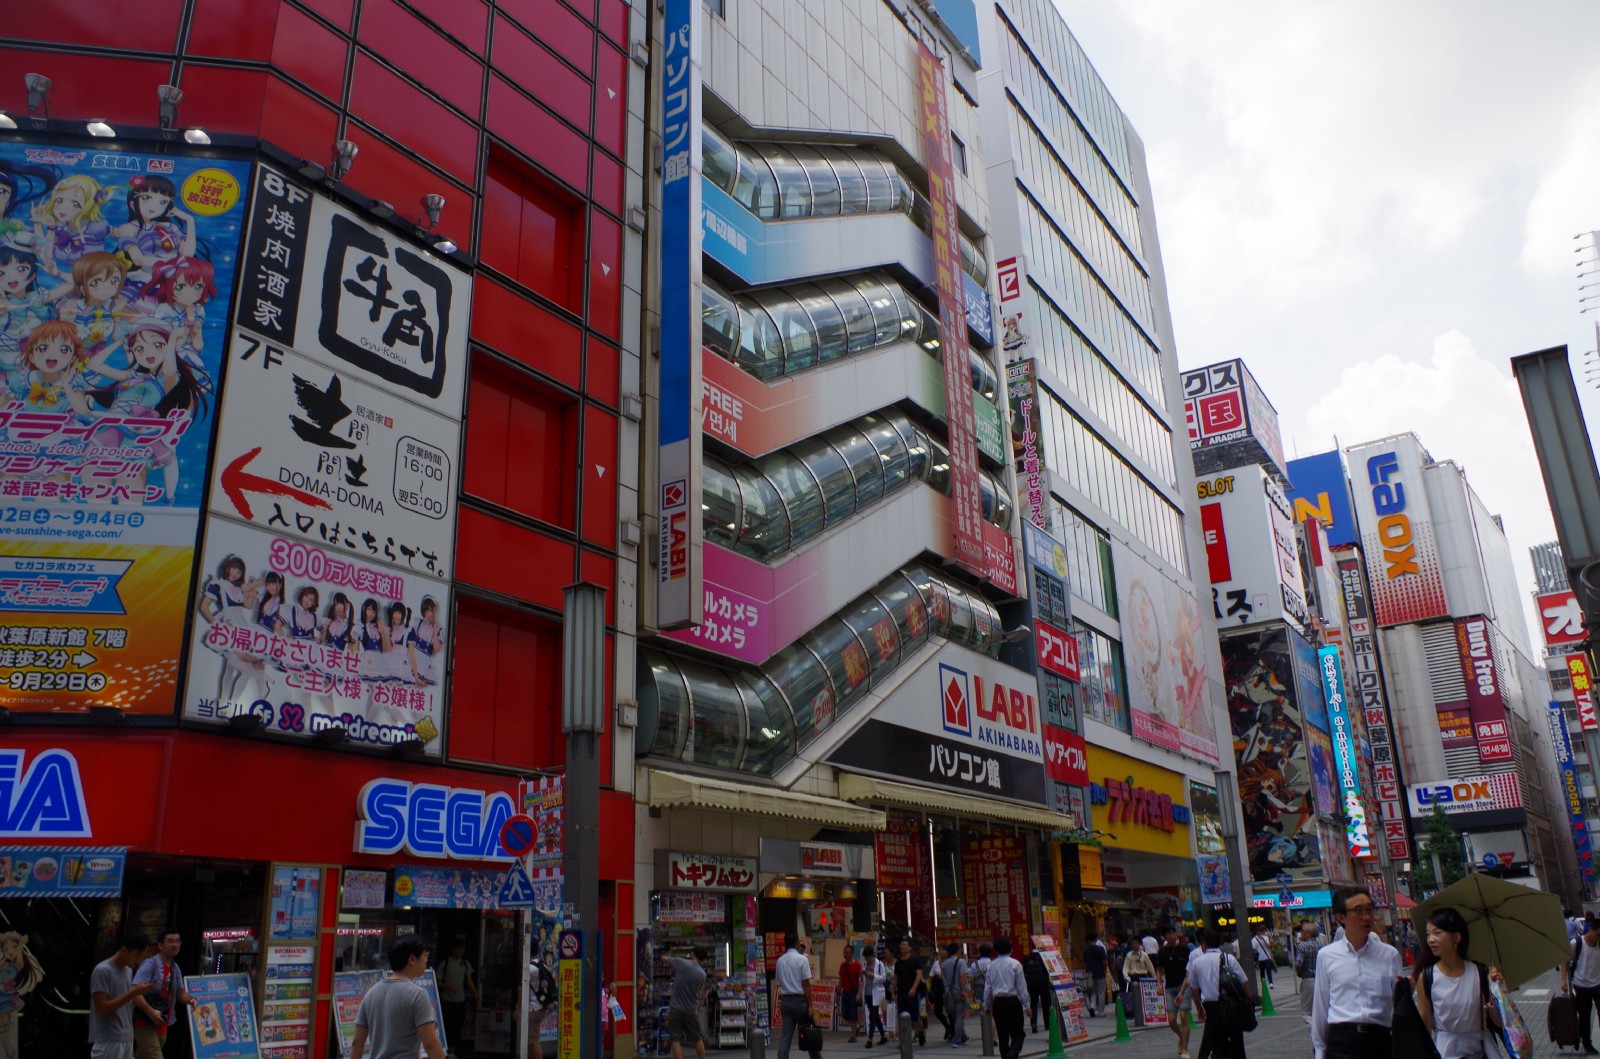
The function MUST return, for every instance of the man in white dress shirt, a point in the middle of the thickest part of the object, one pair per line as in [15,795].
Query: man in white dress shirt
[791,974]
[1004,988]
[1352,1002]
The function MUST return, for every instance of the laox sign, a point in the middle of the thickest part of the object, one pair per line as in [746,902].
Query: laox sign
[1394,525]
[428,820]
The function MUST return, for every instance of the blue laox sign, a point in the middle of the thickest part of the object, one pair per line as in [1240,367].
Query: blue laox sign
[1344,752]
[428,820]
[45,800]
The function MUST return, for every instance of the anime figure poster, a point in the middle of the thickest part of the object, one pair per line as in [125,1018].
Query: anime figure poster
[116,272]
[222,1024]
[307,639]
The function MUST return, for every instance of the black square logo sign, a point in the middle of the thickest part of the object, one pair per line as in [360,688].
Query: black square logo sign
[385,308]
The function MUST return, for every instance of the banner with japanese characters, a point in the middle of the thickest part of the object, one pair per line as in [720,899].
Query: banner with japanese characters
[116,270]
[994,885]
[308,639]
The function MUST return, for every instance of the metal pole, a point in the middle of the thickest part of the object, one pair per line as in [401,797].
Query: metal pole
[1228,799]
[583,714]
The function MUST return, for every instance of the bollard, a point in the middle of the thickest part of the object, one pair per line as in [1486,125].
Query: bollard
[1267,1010]
[757,1040]
[908,1030]
[986,1024]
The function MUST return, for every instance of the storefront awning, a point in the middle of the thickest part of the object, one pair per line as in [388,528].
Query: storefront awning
[669,789]
[856,788]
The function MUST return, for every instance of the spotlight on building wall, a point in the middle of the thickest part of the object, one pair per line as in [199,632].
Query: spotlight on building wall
[247,723]
[169,96]
[98,127]
[380,209]
[432,206]
[408,749]
[39,87]
[196,136]
[334,735]
[344,156]
[445,246]
[311,170]
[6,121]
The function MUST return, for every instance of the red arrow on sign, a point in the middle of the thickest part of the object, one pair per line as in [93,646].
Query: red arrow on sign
[236,481]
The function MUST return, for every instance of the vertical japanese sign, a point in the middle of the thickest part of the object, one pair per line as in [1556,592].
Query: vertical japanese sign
[116,270]
[678,574]
[1051,605]
[1367,691]
[959,413]
[1571,790]
[1344,753]
[1582,691]
[544,799]
[1022,386]
[1485,703]
[331,529]
[994,886]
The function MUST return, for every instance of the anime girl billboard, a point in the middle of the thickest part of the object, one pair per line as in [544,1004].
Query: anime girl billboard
[116,271]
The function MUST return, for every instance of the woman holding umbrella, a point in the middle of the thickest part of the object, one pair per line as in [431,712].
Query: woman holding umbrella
[1452,992]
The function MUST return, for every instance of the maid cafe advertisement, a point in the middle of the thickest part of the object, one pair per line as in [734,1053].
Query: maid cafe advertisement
[319,597]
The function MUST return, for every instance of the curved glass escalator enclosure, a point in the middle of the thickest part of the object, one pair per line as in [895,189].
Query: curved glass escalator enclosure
[755,720]
[779,331]
[765,509]
[793,181]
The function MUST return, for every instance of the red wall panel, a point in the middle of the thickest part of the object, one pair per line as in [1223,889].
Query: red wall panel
[398,179]
[465,20]
[410,116]
[506,692]
[150,25]
[235,29]
[522,445]
[537,337]
[534,131]
[600,478]
[518,562]
[532,233]
[87,86]
[614,20]
[223,98]
[414,47]
[601,365]
[533,66]
[556,25]
[605,274]
[605,182]
[611,111]
[339,12]
[305,50]
[298,123]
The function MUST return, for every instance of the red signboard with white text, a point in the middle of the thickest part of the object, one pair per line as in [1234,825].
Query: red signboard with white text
[1560,618]
[1582,691]
[1066,756]
[1058,651]
[1474,641]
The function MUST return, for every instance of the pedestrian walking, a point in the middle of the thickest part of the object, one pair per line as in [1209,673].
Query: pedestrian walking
[1261,946]
[791,974]
[1452,992]
[684,1025]
[1306,947]
[156,1013]
[1173,963]
[1582,978]
[908,990]
[850,991]
[1037,976]
[396,1016]
[456,979]
[875,991]
[1352,1003]
[1003,990]
[112,992]
[955,972]
[1095,962]
[1205,982]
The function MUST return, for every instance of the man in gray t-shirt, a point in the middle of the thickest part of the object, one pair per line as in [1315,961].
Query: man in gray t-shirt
[396,1016]
[111,994]
[683,1009]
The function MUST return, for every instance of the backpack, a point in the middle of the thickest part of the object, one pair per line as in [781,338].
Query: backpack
[1408,1033]
[1238,1006]
[936,991]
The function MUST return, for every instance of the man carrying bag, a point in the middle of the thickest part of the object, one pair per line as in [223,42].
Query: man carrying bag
[1226,1008]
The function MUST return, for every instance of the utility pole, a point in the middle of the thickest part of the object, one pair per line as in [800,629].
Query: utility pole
[1228,817]
[583,716]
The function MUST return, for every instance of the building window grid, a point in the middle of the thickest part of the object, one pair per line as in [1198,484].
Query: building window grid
[1089,553]
[1100,473]
[1055,186]
[1094,308]
[1083,156]
[1068,356]
[1102,690]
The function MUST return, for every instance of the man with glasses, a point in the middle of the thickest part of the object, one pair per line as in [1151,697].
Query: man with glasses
[1352,1003]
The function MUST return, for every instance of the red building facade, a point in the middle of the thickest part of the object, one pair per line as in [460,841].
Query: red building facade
[517,113]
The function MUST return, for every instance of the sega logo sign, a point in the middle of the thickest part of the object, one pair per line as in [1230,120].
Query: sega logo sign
[43,800]
[1394,525]
[429,820]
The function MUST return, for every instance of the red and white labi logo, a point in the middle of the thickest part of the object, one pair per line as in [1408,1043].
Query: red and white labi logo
[957,707]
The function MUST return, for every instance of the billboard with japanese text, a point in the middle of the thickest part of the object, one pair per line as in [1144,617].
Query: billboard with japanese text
[116,272]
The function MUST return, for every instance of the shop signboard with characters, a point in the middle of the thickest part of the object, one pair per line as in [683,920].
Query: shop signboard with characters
[330,534]
[116,271]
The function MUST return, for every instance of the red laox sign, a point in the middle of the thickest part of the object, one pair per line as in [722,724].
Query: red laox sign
[959,413]
[700,871]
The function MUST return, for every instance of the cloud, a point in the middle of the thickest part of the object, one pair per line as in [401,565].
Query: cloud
[1463,408]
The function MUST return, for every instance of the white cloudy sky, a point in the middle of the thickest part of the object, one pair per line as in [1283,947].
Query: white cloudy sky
[1373,203]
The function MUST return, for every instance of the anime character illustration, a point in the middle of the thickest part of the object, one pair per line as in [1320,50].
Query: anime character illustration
[424,642]
[156,229]
[20,974]
[22,305]
[157,385]
[93,301]
[177,293]
[20,187]
[1148,682]
[70,224]
[52,355]
[208,1026]
[1188,666]
[228,599]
